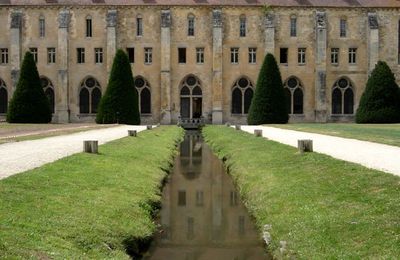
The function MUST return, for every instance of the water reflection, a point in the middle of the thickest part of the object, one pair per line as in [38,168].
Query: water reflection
[202,216]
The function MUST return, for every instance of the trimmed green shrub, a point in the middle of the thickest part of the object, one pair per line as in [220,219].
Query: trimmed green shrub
[120,102]
[269,102]
[380,102]
[29,103]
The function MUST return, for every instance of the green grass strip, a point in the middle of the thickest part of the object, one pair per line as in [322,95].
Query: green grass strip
[87,206]
[378,133]
[324,208]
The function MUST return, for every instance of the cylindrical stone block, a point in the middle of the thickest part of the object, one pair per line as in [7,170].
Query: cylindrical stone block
[238,127]
[258,132]
[90,146]
[132,133]
[149,127]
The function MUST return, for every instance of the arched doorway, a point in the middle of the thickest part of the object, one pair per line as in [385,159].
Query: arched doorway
[191,98]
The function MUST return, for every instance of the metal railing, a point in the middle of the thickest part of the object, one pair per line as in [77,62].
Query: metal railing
[191,123]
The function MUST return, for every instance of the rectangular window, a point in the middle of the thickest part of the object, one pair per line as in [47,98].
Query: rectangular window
[191,26]
[148,55]
[283,55]
[98,55]
[199,198]
[242,27]
[252,55]
[200,55]
[343,27]
[352,55]
[181,198]
[80,55]
[335,55]
[51,55]
[139,26]
[34,52]
[42,27]
[293,27]
[182,55]
[234,198]
[4,55]
[131,54]
[398,42]
[301,56]
[88,27]
[235,55]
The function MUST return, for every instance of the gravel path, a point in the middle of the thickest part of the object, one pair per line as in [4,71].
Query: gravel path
[372,155]
[22,156]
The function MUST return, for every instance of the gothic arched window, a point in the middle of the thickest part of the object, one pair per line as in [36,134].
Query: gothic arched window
[89,96]
[3,97]
[48,89]
[242,94]
[342,97]
[144,95]
[294,96]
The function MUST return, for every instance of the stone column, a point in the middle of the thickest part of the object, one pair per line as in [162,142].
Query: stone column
[217,67]
[269,33]
[373,41]
[111,38]
[320,77]
[166,67]
[15,47]
[62,88]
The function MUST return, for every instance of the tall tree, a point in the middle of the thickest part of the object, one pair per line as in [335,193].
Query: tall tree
[120,102]
[380,102]
[269,102]
[29,103]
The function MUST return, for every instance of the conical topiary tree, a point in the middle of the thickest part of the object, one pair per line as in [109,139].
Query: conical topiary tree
[29,103]
[120,102]
[380,102]
[269,102]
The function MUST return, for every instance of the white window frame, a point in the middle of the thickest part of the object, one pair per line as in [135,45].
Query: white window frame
[98,55]
[148,55]
[4,56]
[234,55]
[34,52]
[200,55]
[252,55]
[335,56]
[293,26]
[51,55]
[139,26]
[42,27]
[81,53]
[352,56]
[343,28]
[191,25]
[242,26]
[301,56]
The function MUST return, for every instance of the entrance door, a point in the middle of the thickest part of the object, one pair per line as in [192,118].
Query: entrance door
[191,98]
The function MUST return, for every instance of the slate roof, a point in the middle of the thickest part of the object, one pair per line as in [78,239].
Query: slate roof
[294,3]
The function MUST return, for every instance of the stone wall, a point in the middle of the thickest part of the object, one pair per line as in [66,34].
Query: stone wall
[373,32]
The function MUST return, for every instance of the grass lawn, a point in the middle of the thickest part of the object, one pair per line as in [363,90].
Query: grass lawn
[324,208]
[21,132]
[87,206]
[379,133]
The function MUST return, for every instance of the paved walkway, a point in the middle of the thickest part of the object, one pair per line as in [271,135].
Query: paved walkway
[22,156]
[372,155]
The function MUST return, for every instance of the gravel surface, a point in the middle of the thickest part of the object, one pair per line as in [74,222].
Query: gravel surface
[372,155]
[22,156]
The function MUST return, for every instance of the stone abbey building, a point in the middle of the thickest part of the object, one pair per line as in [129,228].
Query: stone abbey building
[200,58]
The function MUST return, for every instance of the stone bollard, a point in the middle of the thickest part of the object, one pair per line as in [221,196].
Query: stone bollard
[158,125]
[258,132]
[149,127]
[305,146]
[238,127]
[132,133]
[90,146]
[227,124]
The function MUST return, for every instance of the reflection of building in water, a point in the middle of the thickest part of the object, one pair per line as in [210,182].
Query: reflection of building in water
[202,216]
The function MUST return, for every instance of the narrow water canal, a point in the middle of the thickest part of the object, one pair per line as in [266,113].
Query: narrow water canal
[202,216]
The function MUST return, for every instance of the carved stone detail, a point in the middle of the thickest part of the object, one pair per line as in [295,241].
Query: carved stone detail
[63,19]
[16,20]
[217,18]
[321,20]
[112,18]
[269,20]
[165,18]
[373,21]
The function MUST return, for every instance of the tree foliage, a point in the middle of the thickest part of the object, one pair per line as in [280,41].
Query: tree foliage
[120,101]
[269,102]
[29,103]
[380,102]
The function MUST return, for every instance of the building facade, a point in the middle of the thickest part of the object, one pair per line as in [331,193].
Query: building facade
[200,58]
